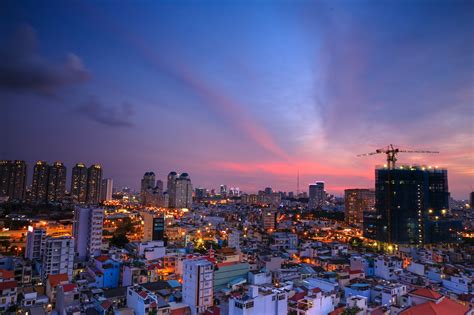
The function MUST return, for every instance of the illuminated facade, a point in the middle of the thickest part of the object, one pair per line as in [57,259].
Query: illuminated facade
[39,187]
[79,183]
[56,182]
[94,182]
[317,195]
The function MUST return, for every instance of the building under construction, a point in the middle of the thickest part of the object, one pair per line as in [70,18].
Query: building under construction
[411,207]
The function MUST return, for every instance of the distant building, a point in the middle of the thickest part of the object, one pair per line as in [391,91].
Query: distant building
[200,193]
[148,182]
[412,206]
[356,202]
[198,280]
[471,200]
[94,182]
[317,195]
[87,231]
[58,256]
[79,183]
[223,190]
[106,189]
[13,179]
[171,189]
[269,219]
[56,182]
[39,187]
[180,190]
[35,243]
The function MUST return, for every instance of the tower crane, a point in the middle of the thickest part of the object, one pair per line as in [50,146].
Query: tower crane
[391,151]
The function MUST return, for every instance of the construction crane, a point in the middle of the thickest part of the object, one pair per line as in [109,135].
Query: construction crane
[392,152]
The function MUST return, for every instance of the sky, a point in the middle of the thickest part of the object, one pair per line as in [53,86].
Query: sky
[243,93]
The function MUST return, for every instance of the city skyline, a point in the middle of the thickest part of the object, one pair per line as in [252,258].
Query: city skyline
[239,95]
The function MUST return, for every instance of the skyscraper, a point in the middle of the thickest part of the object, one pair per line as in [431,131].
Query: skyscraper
[223,190]
[106,189]
[198,275]
[13,179]
[39,187]
[412,206]
[151,192]
[79,183]
[148,182]
[171,189]
[356,202]
[183,192]
[317,195]
[94,182]
[56,182]
[87,231]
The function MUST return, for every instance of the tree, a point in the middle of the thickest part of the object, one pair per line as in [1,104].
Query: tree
[119,240]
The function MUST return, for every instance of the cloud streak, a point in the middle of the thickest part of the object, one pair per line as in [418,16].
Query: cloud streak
[23,68]
[226,107]
[111,116]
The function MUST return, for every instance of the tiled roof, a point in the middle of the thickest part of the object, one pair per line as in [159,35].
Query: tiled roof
[54,280]
[69,287]
[427,293]
[8,285]
[102,258]
[445,307]
[6,274]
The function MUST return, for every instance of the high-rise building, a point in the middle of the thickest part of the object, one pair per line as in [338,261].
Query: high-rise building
[58,257]
[94,182]
[159,185]
[13,179]
[200,193]
[223,190]
[56,182]
[317,195]
[183,192]
[87,231]
[35,243]
[356,202]
[79,183]
[39,187]
[412,206]
[148,182]
[151,192]
[268,190]
[471,200]
[198,276]
[106,189]
[171,189]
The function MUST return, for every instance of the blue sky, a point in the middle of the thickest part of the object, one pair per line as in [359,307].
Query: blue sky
[241,93]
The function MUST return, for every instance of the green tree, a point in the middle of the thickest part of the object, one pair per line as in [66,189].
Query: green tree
[119,240]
